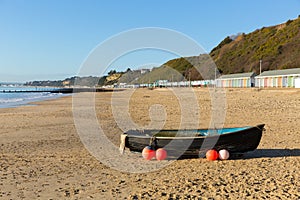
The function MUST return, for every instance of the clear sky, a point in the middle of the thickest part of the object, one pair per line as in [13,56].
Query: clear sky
[50,39]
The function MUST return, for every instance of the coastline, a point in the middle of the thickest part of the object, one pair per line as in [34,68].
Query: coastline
[42,156]
[30,101]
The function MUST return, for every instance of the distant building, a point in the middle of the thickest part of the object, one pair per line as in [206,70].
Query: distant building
[144,71]
[279,78]
[202,83]
[241,80]
[66,83]
[297,82]
[161,83]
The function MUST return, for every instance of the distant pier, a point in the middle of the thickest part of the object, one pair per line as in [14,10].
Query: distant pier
[60,90]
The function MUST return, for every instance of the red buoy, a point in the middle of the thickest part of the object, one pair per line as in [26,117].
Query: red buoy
[161,154]
[148,153]
[212,155]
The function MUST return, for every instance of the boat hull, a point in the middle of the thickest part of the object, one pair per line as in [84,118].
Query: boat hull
[237,142]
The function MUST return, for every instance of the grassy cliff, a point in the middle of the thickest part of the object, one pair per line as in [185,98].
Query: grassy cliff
[278,47]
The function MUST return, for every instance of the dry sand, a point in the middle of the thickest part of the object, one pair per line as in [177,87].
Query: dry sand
[41,156]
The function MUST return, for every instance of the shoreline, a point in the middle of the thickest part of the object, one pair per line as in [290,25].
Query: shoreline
[30,102]
[60,92]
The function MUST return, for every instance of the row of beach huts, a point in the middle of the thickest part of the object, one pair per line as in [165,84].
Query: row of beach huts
[287,78]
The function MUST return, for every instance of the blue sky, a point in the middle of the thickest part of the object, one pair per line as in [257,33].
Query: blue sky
[50,39]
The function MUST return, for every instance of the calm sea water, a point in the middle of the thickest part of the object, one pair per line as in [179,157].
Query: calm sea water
[8,100]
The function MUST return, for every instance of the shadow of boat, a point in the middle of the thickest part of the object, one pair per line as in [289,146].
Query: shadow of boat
[271,153]
[258,153]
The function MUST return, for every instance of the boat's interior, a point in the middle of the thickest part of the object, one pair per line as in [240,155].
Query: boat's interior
[195,133]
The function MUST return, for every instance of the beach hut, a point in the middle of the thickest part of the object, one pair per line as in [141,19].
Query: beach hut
[278,78]
[236,80]
[297,82]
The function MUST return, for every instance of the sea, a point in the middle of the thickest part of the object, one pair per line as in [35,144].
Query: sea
[15,99]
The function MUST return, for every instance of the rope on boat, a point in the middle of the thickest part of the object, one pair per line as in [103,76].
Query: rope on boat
[267,128]
[122,144]
[262,129]
[153,142]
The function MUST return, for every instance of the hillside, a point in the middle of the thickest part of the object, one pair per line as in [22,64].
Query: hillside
[278,47]
[181,69]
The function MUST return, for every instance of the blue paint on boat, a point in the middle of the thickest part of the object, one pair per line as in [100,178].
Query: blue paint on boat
[205,132]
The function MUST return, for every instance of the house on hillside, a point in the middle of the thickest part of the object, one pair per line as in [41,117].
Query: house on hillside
[66,83]
[236,80]
[279,78]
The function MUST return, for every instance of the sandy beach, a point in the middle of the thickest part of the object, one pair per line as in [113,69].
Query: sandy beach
[42,157]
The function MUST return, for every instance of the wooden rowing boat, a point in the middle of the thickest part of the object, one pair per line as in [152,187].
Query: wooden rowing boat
[181,143]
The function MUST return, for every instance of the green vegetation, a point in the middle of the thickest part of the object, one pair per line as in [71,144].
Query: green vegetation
[189,68]
[277,46]
[160,73]
[227,40]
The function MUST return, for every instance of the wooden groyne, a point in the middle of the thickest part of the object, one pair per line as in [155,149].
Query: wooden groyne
[60,90]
